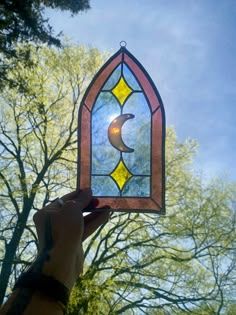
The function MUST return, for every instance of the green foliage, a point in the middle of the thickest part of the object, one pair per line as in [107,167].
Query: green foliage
[24,21]
[232,309]
[42,122]
[38,144]
[182,263]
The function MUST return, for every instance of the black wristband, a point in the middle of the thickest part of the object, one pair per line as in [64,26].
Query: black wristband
[45,284]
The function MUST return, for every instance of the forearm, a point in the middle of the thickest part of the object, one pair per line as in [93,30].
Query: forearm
[61,228]
[26,301]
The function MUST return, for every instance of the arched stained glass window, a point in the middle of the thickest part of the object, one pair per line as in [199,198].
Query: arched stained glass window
[121,137]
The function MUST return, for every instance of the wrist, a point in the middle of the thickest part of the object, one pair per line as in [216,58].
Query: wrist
[39,285]
[62,267]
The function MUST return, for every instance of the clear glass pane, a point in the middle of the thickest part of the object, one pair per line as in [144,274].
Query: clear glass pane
[104,156]
[137,186]
[136,133]
[113,79]
[104,186]
[129,77]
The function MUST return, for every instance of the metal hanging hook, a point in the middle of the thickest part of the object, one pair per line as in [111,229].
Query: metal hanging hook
[123,43]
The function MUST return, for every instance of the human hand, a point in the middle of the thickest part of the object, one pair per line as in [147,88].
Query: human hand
[61,230]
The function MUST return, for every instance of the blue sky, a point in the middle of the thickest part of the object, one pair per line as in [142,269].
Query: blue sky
[189,49]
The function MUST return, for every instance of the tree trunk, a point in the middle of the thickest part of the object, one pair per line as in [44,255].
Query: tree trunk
[11,248]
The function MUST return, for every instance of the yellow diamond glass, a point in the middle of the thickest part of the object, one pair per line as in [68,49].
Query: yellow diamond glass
[122,91]
[121,174]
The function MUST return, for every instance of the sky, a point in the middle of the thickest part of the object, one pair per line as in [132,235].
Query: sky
[188,47]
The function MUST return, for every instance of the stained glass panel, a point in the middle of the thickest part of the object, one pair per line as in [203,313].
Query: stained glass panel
[121,137]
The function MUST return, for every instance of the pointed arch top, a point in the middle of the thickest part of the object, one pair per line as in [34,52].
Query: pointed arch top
[121,137]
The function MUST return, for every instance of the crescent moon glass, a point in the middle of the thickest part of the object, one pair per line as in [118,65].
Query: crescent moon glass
[115,133]
[121,137]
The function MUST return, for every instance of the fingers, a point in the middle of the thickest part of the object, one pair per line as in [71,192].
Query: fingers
[82,198]
[71,195]
[92,205]
[93,221]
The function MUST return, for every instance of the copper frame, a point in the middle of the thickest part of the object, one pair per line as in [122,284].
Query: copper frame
[156,202]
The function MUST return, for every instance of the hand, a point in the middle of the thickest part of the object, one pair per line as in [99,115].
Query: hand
[61,230]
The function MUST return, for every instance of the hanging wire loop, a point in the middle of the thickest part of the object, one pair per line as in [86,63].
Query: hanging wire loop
[123,43]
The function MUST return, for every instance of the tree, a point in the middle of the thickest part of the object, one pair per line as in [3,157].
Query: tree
[181,263]
[38,136]
[23,21]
